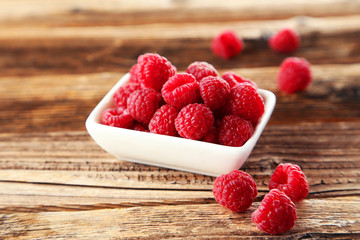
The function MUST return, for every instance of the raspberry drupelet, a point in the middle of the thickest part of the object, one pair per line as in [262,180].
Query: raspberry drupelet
[194,121]
[276,213]
[143,103]
[227,44]
[235,131]
[201,69]
[163,121]
[285,41]
[291,180]
[117,117]
[181,90]
[154,70]
[214,91]
[235,190]
[294,75]
[246,102]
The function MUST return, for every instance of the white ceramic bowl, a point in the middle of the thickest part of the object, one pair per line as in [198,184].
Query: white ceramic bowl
[172,152]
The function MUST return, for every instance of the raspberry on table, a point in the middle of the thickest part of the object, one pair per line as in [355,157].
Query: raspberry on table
[181,90]
[294,75]
[291,180]
[143,103]
[163,121]
[227,44]
[121,95]
[233,79]
[117,117]
[194,121]
[285,41]
[246,102]
[201,69]
[276,213]
[154,70]
[235,131]
[214,91]
[134,74]
[235,190]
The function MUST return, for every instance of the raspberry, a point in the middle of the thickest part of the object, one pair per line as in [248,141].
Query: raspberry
[294,75]
[227,45]
[276,213]
[117,117]
[143,103]
[285,41]
[133,74]
[235,190]
[139,127]
[163,121]
[235,131]
[233,79]
[214,91]
[246,102]
[121,95]
[154,70]
[201,69]
[211,136]
[194,121]
[181,90]
[291,180]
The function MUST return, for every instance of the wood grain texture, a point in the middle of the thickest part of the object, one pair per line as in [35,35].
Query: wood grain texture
[57,103]
[59,50]
[59,58]
[97,12]
[182,222]
[55,169]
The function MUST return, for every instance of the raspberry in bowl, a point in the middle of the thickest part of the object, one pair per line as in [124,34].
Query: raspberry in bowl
[166,141]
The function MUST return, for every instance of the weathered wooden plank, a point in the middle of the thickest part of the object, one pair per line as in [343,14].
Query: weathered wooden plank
[37,50]
[330,161]
[82,12]
[63,102]
[315,219]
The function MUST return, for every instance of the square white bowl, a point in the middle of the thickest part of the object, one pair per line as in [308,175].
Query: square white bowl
[172,152]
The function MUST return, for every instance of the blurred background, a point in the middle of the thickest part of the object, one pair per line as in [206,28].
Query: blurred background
[91,44]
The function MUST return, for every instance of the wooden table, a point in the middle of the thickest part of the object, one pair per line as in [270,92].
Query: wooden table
[59,58]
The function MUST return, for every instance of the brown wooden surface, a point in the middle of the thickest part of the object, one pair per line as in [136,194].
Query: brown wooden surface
[59,58]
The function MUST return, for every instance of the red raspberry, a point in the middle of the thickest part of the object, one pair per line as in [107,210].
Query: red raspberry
[163,121]
[139,127]
[294,75]
[134,74]
[291,180]
[246,102]
[143,103]
[211,136]
[235,131]
[227,45]
[276,213]
[154,70]
[214,91]
[121,95]
[233,79]
[181,90]
[194,121]
[285,41]
[117,117]
[235,190]
[201,69]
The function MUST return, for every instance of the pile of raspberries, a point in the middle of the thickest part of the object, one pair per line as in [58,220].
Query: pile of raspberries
[198,104]
[277,212]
